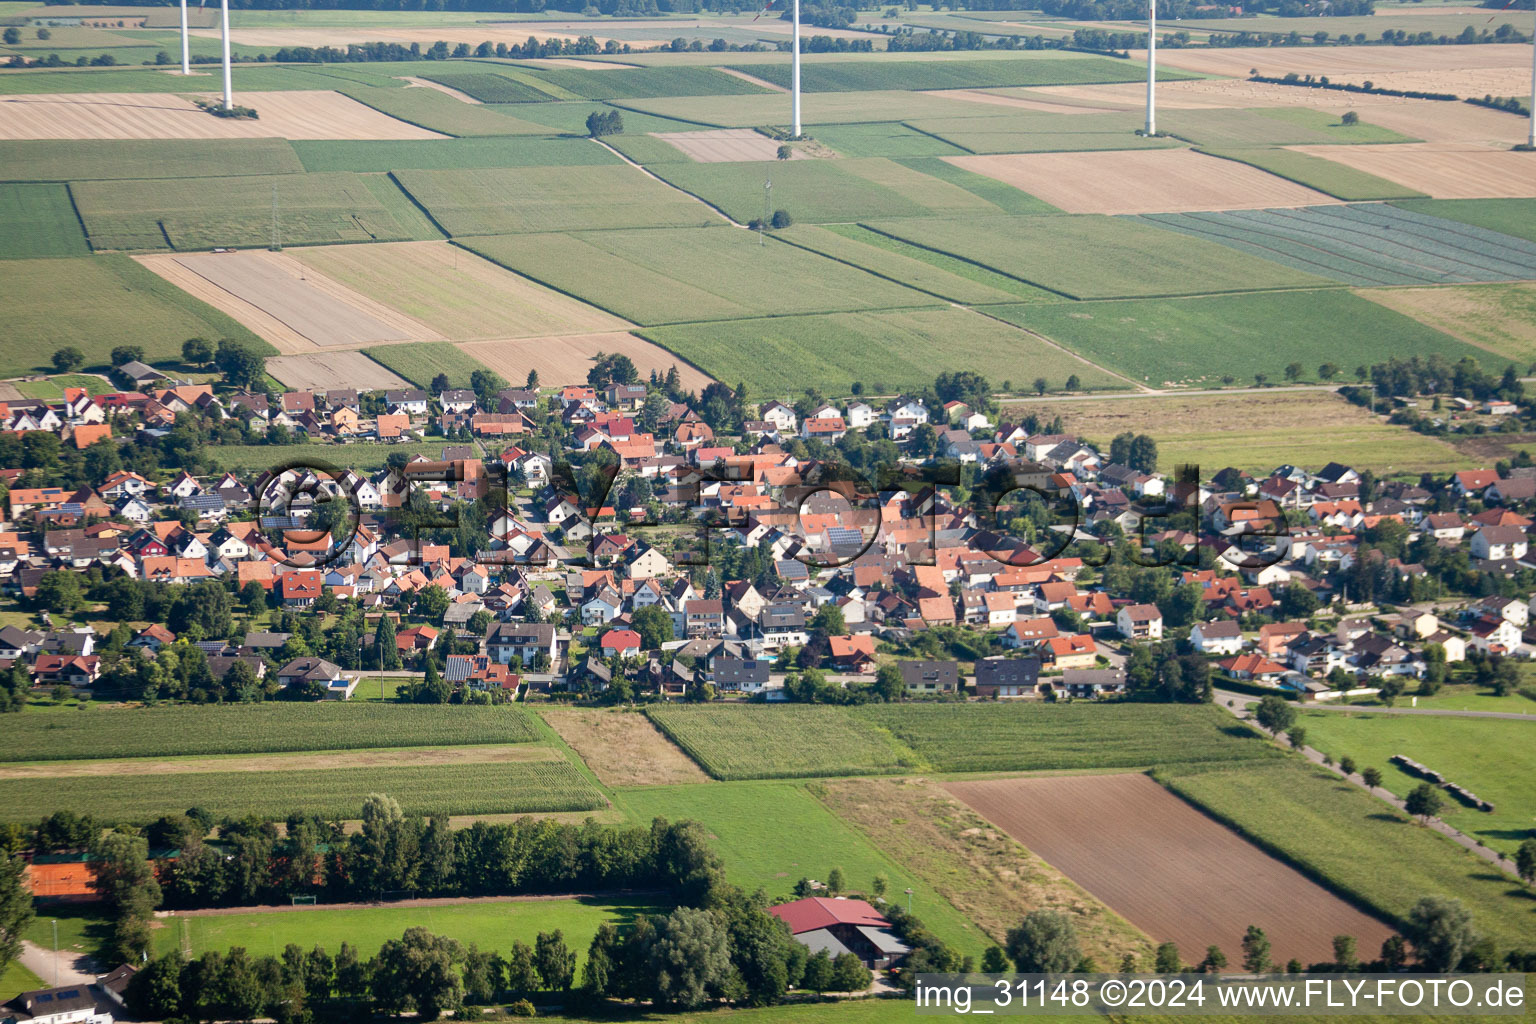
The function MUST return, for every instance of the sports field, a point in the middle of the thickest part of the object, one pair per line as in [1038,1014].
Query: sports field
[89,302]
[1112,833]
[885,351]
[1175,342]
[677,275]
[1257,431]
[1491,757]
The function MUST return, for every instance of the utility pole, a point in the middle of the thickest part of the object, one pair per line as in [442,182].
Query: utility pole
[55,952]
[1530,139]
[909,899]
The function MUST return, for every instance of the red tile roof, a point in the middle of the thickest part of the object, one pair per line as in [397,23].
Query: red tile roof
[815,912]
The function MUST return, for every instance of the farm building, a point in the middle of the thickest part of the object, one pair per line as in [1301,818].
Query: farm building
[841,926]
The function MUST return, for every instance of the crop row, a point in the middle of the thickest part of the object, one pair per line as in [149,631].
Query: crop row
[515,788]
[1436,245]
[254,729]
[780,743]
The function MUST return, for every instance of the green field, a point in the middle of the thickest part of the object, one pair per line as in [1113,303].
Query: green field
[92,303]
[1507,216]
[1337,180]
[39,220]
[672,276]
[1091,256]
[487,86]
[449,154]
[16,978]
[436,111]
[88,159]
[825,191]
[780,742]
[510,200]
[420,361]
[883,138]
[924,269]
[1004,197]
[260,728]
[250,458]
[204,213]
[918,74]
[799,838]
[570,116]
[489,925]
[246,79]
[488,788]
[52,389]
[1199,340]
[1232,128]
[1029,737]
[1026,131]
[647,149]
[888,352]
[823,108]
[1339,834]
[1492,757]
[643,83]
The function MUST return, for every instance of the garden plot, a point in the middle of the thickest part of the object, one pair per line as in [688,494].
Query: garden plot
[1170,870]
[1140,182]
[569,357]
[726,145]
[296,309]
[1442,170]
[1366,244]
[333,370]
[291,115]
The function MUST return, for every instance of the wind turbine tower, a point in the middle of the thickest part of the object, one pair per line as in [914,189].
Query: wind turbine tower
[1151,67]
[1531,138]
[794,71]
[229,87]
[186,46]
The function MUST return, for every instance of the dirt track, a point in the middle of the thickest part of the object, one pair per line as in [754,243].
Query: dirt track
[1170,870]
[290,115]
[1141,181]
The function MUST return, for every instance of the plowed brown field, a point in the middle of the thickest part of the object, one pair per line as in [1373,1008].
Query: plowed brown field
[1442,170]
[1170,870]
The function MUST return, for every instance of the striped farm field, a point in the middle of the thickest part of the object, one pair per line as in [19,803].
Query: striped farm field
[1030,736]
[517,199]
[271,726]
[1090,256]
[1365,244]
[204,213]
[755,742]
[643,83]
[678,275]
[1515,217]
[94,159]
[437,111]
[506,788]
[861,76]
[448,154]
[980,130]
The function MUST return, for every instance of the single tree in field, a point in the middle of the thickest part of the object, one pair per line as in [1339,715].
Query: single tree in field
[1344,955]
[1327,371]
[785,152]
[780,220]
[533,380]
[1275,714]
[440,384]
[994,961]
[1168,959]
[1441,932]
[1371,777]
[1297,735]
[1347,765]
[1525,861]
[1215,961]
[1044,943]
[1350,118]
[879,885]
[1041,385]
[1293,372]
[835,881]
[1423,802]
[1073,383]
[1256,951]
[1261,379]
[68,358]
[196,351]
[127,354]
[12,36]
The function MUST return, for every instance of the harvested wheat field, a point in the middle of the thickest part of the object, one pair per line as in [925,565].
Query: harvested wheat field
[324,371]
[1145,181]
[461,296]
[1341,63]
[570,357]
[1170,870]
[320,114]
[1442,170]
[306,761]
[623,748]
[726,145]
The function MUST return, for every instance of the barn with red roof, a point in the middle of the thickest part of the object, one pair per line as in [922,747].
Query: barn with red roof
[840,925]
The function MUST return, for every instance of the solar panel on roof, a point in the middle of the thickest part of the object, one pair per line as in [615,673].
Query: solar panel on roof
[73,993]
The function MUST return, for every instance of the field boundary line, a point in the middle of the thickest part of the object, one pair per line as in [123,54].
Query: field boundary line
[70,193]
[872,273]
[536,280]
[940,138]
[669,117]
[1059,347]
[676,188]
[418,204]
[974,263]
[1297,181]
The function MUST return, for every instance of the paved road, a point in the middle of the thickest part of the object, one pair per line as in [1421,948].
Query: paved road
[73,968]
[1238,703]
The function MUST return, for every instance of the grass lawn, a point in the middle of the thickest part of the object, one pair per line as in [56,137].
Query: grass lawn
[82,929]
[506,200]
[1317,172]
[15,978]
[800,838]
[448,154]
[420,361]
[1465,697]
[94,303]
[678,275]
[1339,834]
[52,389]
[1091,256]
[490,925]
[888,352]
[1508,216]
[39,220]
[1256,430]
[244,458]
[88,159]
[1492,757]
[1199,341]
